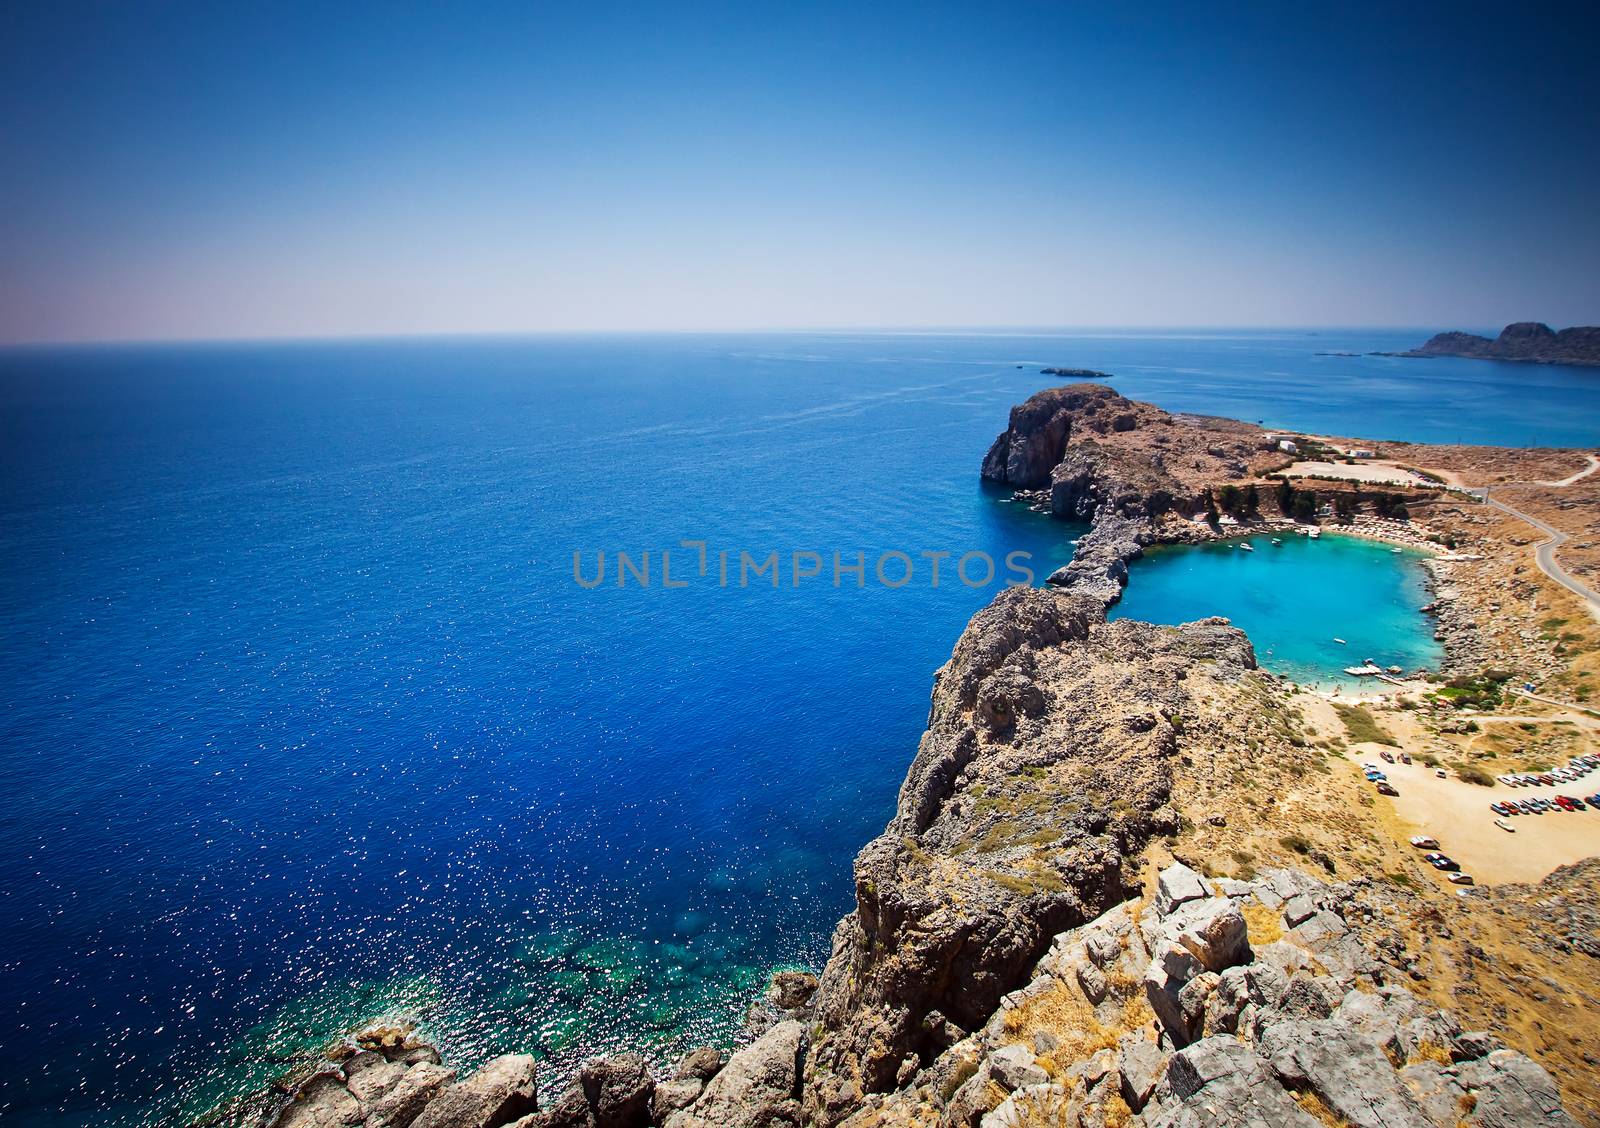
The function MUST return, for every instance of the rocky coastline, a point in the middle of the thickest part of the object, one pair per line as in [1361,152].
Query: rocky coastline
[1030,944]
[1526,342]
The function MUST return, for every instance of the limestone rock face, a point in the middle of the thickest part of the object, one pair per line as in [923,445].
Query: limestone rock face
[1282,1035]
[1047,763]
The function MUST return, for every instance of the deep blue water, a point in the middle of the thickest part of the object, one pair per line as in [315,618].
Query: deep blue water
[303,719]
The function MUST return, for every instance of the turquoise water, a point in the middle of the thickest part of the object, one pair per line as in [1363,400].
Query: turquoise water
[1294,599]
[303,719]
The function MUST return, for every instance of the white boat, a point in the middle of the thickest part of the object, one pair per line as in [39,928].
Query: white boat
[1313,532]
[1275,540]
[1341,642]
[1361,671]
[1397,551]
[1247,546]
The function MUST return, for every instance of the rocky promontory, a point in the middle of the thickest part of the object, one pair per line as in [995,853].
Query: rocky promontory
[1131,469]
[1530,342]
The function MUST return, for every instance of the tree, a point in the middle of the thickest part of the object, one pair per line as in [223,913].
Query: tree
[1305,505]
[1211,507]
[1230,498]
[1390,505]
[1344,505]
[1252,500]
[1285,497]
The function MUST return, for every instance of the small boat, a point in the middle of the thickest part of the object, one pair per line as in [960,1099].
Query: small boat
[1247,546]
[1505,826]
[1397,550]
[1313,532]
[1360,671]
[1341,642]
[1275,540]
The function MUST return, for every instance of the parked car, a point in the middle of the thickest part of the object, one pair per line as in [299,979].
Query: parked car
[1425,842]
[1441,773]
[1441,861]
[1460,879]
[1500,808]
[1385,789]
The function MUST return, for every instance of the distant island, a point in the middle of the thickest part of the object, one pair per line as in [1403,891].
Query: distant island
[1531,342]
[1075,373]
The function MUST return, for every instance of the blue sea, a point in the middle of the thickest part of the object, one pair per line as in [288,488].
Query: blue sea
[305,720]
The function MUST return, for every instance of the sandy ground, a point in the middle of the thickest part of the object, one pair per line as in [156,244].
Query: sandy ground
[1458,815]
[1359,472]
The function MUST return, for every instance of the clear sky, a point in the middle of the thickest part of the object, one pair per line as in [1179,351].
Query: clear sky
[251,169]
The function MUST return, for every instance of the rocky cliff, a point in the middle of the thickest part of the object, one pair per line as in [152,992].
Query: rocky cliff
[1130,469]
[1529,341]
[1046,767]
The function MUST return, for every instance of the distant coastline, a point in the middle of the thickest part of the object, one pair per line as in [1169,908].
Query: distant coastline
[1528,342]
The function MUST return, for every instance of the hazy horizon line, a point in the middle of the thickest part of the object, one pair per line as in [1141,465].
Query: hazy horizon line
[356,336]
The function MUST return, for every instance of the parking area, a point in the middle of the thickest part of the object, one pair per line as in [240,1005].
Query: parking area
[1458,814]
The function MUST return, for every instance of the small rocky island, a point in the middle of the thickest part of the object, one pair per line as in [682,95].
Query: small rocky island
[1531,342]
[1075,373]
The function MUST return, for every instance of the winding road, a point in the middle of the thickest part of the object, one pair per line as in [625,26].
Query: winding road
[1544,553]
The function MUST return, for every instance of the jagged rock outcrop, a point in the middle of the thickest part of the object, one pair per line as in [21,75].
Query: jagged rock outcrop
[1122,466]
[1530,342]
[1046,766]
[1277,1026]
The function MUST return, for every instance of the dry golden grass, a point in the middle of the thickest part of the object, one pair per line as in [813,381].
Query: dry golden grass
[1043,1109]
[1063,1012]
[1264,925]
[1429,1051]
[1318,1109]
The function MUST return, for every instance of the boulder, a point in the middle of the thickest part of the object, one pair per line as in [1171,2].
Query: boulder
[791,990]
[1513,1091]
[617,1090]
[1220,1081]
[320,1102]
[401,1105]
[1014,1067]
[1140,1065]
[702,1063]
[370,1076]
[1348,1073]
[670,1096]
[1217,936]
[1177,885]
[759,1086]
[500,1092]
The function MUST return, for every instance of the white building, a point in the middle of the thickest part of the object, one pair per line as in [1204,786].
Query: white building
[1287,446]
